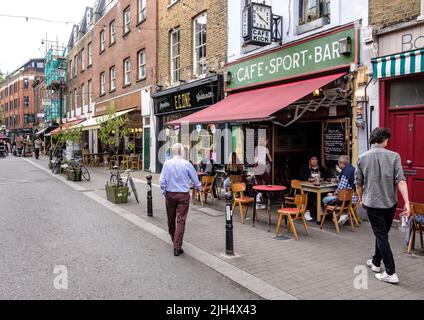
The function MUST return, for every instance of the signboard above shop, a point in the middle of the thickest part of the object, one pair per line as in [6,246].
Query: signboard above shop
[331,50]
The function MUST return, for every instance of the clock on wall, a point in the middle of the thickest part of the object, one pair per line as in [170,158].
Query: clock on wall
[257,24]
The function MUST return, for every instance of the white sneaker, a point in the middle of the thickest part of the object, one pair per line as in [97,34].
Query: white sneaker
[308,216]
[386,278]
[373,267]
[343,219]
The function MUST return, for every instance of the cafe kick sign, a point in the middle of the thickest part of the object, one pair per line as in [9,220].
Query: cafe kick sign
[318,54]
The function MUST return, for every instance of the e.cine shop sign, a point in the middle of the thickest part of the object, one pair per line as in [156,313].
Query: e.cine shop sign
[307,57]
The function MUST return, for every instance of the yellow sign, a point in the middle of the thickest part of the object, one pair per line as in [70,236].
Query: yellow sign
[182,101]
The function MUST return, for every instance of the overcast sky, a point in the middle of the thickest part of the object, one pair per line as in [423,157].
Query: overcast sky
[21,40]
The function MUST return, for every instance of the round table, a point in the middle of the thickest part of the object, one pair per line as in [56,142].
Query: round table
[269,189]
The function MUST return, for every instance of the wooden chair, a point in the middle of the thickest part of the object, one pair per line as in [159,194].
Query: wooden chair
[354,208]
[296,189]
[113,161]
[206,189]
[344,206]
[135,162]
[235,179]
[124,163]
[241,200]
[416,208]
[293,214]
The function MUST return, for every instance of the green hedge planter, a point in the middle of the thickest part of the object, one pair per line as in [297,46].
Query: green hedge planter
[117,195]
[74,175]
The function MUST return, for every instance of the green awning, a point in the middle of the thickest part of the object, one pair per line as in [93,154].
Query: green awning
[399,64]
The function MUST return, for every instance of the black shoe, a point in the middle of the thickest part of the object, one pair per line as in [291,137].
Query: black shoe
[178,252]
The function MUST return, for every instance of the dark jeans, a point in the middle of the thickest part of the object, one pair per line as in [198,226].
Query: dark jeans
[177,205]
[37,153]
[381,221]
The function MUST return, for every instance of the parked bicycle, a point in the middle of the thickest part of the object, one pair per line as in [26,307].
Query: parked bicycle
[116,180]
[77,164]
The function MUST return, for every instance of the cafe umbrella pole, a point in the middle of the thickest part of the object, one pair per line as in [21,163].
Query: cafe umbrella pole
[229,240]
[149,197]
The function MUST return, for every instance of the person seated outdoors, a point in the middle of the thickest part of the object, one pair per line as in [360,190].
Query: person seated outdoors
[311,172]
[346,182]
[207,165]
[234,168]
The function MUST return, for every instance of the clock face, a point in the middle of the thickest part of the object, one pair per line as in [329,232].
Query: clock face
[262,17]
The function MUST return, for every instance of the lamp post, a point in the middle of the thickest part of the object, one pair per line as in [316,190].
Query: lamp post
[62,73]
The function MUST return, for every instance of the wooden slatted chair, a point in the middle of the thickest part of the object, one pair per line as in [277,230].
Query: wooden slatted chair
[235,179]
[355,215]
[241,200]
[206,189]
[416,209]
[344,206]
[293,214]
[295,189]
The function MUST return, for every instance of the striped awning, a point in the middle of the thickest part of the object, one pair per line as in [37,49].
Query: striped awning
[399,64]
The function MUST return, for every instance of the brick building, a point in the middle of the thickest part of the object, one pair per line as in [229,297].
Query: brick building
[399,68]
[111,62]
[17,98]
[192,51]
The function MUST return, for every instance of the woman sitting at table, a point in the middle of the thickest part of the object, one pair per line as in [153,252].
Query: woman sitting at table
[234,168]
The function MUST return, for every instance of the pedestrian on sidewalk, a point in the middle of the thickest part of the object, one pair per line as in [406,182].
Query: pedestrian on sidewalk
[378,176]
[175,181]
[37,147]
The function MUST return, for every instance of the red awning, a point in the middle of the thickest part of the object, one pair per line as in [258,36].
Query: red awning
[66,126]
[258,104]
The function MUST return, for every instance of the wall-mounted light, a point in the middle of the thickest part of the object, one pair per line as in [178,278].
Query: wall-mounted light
[345,46]
[227,77]
[316,93]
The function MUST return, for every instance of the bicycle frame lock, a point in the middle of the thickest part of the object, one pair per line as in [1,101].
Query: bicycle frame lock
[229,239]
[149,197]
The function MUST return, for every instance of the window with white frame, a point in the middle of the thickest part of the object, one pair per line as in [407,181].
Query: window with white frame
[175,55]
[82,60]
[311,10]
[90,54]
[89,92]
[127,20]
[112,32]
[141,59]
[102,41]
[102,83]
[127,71]
[200,44]
[141,10]
[83,96]
[112,72]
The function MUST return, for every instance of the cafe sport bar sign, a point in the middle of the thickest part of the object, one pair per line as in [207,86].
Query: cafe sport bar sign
[336,49]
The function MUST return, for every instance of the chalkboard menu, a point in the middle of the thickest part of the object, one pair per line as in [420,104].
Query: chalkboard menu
[334,142]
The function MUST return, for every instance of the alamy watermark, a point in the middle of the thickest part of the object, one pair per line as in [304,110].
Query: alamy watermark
[61,280]
[360,281]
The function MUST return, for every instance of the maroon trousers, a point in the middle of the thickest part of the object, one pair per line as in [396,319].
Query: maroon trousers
[177,205]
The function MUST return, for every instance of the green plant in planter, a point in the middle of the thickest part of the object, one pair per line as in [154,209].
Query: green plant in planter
[117,194]
[74,174]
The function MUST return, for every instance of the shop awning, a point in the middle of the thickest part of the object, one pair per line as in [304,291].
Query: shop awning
[258,104]
[66,126]
[45,131]
[95,122]
[399,64]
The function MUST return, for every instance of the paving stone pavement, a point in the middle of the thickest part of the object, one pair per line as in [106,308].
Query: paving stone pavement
[321,266]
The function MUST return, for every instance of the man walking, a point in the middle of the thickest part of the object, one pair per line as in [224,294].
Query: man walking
[175,181]
[37,147]
[378,177]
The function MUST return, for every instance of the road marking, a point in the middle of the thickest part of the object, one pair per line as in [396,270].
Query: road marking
[247,280]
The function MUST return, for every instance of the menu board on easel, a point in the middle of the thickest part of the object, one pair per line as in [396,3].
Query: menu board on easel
[335,140]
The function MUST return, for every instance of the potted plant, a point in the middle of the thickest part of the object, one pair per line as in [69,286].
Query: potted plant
[116,194]
[73,174]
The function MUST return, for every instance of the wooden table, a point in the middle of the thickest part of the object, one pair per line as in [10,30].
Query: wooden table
[269,189]
[324,188]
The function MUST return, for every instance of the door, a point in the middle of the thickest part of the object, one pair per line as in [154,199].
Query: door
[408,140]
[146,151]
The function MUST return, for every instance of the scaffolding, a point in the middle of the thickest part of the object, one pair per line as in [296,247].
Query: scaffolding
[55,78]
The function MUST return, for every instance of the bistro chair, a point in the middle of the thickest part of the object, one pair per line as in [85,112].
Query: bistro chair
[354,208]
[235,179]
[344,205]
[113,161]
[135,162]
[241,200]
[296,189]
[293,214]
[416,209]
[205,190]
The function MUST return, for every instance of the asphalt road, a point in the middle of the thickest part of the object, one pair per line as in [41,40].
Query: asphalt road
[55,243]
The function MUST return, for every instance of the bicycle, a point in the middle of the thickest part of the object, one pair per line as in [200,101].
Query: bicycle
[77,164]
[117,181]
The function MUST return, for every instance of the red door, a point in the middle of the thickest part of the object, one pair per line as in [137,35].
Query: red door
[407,128]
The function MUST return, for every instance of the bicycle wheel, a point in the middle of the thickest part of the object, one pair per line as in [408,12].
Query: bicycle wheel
[85,173]
[134,190]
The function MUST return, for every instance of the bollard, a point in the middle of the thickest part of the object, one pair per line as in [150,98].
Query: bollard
[149,197]
[229,242]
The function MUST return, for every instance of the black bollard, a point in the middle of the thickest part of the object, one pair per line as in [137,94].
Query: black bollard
[229,242]
[149,197]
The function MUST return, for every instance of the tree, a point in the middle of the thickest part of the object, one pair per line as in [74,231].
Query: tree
[112,129]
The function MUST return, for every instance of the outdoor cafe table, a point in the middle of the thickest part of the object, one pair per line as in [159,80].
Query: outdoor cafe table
[269,189]
[323,188]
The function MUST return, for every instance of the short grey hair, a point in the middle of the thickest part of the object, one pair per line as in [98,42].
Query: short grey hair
[178,150]
[344,159]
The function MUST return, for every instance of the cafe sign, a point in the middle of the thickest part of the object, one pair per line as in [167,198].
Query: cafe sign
[336,49]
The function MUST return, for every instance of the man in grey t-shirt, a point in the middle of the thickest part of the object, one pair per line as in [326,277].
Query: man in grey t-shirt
[378,176]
